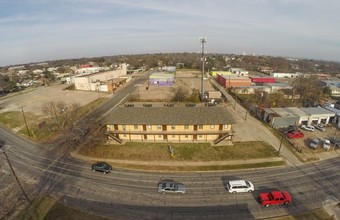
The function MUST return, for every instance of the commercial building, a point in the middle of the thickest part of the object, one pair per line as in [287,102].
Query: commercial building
[99,81]
[162,79]
[228,81]
[283,117]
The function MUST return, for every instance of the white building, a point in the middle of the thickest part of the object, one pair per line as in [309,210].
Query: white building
[239,71]
[286,75]
[92,82]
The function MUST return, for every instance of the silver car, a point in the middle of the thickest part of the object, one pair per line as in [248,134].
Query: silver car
[314,143]
[171,187]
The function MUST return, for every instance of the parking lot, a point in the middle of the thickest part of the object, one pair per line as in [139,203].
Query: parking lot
[302,144]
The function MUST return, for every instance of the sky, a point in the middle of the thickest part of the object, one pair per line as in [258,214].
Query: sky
[42,30]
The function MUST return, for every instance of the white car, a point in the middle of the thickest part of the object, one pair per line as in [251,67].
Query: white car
[320,127]
[326,144]
[235,186]
[308,127]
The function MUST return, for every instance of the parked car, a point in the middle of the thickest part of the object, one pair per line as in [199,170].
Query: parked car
[308,127]
[102,167]
[320,127]
[171,187]
[290,129]
[335,141]
[314,143]
[326,144]
[275,198]
[295,134]
[235,186]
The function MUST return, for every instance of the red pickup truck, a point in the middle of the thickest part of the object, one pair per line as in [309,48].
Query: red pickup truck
[275,198]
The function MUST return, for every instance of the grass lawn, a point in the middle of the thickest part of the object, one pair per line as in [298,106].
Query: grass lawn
[183,151]
[48,208]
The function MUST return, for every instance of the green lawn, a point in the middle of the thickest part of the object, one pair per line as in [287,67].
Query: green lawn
[183,151]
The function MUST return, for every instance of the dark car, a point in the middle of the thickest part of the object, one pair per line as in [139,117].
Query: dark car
[102,167]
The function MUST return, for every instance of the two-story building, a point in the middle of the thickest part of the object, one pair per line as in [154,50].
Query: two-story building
[170,122]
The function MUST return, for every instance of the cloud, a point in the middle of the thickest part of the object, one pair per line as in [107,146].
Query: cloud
[40,28]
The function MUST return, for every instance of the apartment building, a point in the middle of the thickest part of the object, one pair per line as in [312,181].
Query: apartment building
[170,122]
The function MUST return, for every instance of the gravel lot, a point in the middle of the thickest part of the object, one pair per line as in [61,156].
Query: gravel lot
[33,99]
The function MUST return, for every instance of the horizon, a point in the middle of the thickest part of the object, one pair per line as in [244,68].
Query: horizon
[39,31]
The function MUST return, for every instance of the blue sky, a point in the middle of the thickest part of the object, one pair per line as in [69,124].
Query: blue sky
[39,30]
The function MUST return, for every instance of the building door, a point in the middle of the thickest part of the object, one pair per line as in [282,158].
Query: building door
[144,127]
[220,128]
[195,127]
[145,137]
[116,127]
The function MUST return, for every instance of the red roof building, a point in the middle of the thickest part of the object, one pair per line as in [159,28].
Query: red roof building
[257,79]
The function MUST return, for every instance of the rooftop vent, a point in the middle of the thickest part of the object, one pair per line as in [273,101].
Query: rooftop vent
[147,105]
[129,105]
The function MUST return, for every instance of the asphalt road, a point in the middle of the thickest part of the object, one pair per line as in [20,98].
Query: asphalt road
[129,194]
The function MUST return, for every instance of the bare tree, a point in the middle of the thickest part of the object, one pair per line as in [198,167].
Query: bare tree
[62,115]
[181,93]
[308,88]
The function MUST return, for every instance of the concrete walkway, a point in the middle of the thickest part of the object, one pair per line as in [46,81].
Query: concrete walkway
[248,128]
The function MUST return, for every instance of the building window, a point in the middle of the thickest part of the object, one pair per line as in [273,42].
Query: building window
[125,135]
[173,127]
[173,136]
[159,127]
[212,126]
[159,136]
[200,136]
[225,126]
[135,127]
[149,127]
[124,127]
[200,127]
[186,136]
[186,127]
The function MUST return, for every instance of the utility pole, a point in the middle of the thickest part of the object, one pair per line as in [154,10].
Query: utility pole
[23,113]
[203,41]
[280,145]
[16,178]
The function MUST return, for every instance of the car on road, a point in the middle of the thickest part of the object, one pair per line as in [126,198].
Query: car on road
[275,198]
[326,144]
[235,186]
[320,127]
[308,127]
[314,143]
[102,167]
[171,187]
[295,134]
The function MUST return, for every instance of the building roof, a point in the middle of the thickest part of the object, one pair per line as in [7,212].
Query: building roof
[317,111]
[289,112]
[176,115]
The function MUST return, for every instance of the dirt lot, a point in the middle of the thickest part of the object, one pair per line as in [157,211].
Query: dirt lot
[189,79]
[33,99]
